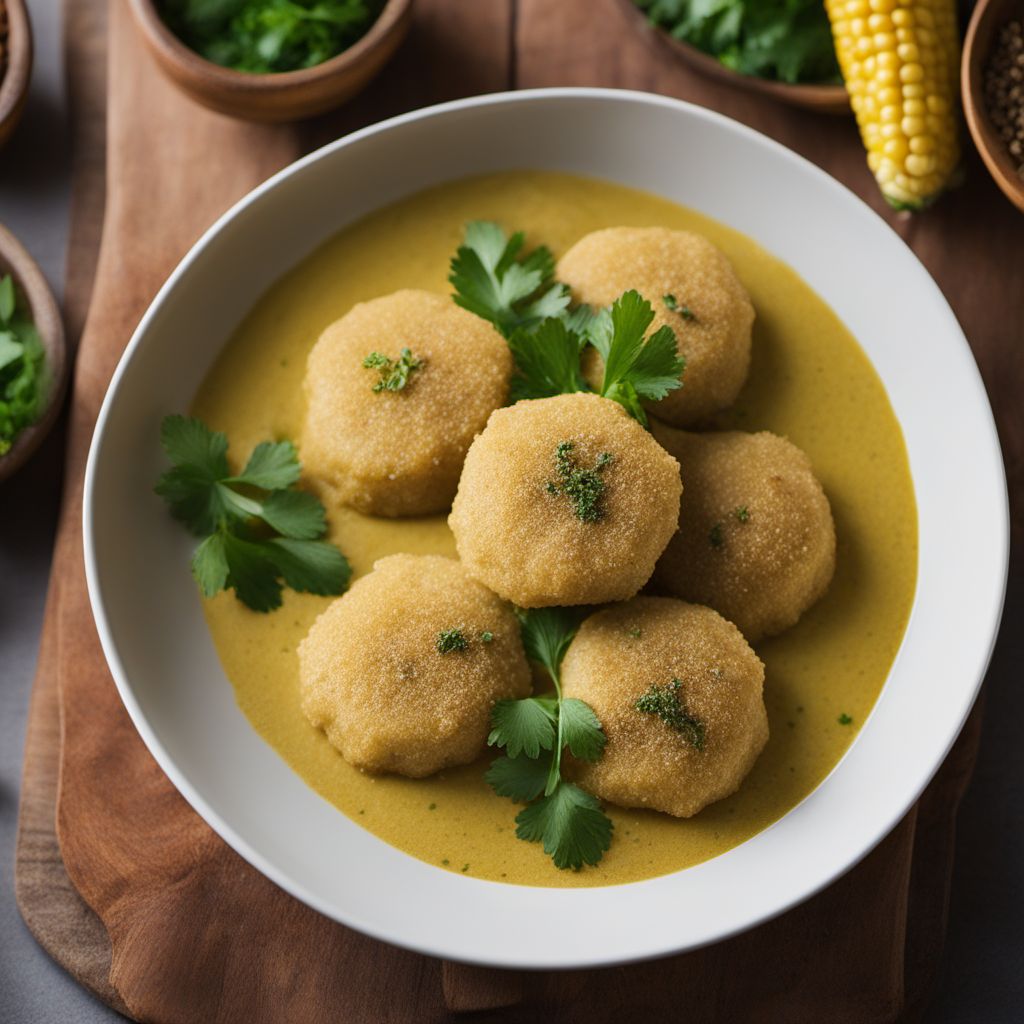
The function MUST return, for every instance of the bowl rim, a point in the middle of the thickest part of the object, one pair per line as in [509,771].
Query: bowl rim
[642,947]
[14,81]
[994,154]
[175,51]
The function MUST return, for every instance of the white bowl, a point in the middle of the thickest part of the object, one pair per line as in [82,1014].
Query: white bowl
[163,659]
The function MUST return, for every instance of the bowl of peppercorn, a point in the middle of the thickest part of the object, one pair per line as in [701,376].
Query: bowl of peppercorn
[272,60]
[992,82]
[15,63]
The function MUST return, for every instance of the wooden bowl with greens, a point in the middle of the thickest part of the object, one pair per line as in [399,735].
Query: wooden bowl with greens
[33,357]
[778,48]
[272,60]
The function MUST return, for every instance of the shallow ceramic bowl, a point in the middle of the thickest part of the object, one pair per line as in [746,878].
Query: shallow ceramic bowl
[988,18]
[15,80]
[31,284]
[284,96]
[164,662]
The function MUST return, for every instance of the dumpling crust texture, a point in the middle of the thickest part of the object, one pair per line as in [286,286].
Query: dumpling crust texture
[756,539]
[372,677]
[400,453]
[657,262]
[622,651]
[527,543]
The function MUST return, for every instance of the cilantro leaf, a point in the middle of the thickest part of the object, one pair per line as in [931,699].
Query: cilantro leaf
[523,726]
[547,361]
[636,368]
[256,530]
[570,824]
[271,466]
[24,378]
[10,348]
[520,778]
[581,729]
[492,281]
[8,298]
[547,633]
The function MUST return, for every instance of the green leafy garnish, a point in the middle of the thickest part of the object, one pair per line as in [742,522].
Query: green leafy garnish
[673,305]
[493,281]
[583,487]
[786,40]
[547,360]
[24,382]
[716,536]
[742,513]
[534,731]
[450,640]
[261,36]
[486,636]
[394,373]
[258,534]
[845,719]
[667,704]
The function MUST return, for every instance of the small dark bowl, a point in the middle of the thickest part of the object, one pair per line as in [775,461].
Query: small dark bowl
[45,313]
[279,96]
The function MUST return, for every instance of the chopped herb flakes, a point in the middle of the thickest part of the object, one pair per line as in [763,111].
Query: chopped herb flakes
[742,513]
[673,305]
[716,537]
[583,487]
[486,636]
[450,640]
[845,719]
[666,703]
[635,632]
[394,373]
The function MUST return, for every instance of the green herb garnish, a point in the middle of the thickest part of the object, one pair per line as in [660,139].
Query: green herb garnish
[787,40]
[257,529]
[636,632]
[24,382]
[673,306]
[845,719]
[742,513]
[583,487]
[534,731]
[494,282]
[449,640]
[716,536]
[667,704]
[261,36]
[394,373]
[486,636]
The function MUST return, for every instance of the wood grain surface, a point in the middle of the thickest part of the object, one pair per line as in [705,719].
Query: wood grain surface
[195,934]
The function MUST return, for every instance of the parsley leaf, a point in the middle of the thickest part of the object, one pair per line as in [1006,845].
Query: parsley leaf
[523,726]
[521,778]
[494,282]
[570,824]
[24,380]
[534,732]
[667,704]
[547,360]
[636,368]
[256,531]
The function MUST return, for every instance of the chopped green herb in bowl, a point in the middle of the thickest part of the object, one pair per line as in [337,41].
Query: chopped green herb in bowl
[24,378]
[266,36]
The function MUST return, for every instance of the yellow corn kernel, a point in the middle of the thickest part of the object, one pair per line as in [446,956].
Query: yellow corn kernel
[900,61]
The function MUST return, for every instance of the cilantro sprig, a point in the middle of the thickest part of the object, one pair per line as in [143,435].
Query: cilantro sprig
[259,534]
[493,281]
[24,380]
[568,821]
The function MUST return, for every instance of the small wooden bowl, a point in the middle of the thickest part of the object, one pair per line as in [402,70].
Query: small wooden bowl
[14,82]
[826,99]
[989,16]
[279,96]
[32,286]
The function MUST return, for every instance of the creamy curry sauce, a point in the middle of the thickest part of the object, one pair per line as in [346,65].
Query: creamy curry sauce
[809,381]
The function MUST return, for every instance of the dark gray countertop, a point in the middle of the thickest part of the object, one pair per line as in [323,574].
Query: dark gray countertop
[983,973]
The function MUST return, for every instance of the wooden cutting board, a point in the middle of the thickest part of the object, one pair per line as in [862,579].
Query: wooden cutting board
[142,901]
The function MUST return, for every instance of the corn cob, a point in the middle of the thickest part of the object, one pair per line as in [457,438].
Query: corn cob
[900,60]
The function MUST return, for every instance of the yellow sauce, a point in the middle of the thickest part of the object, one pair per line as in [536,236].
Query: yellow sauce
[809,381]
